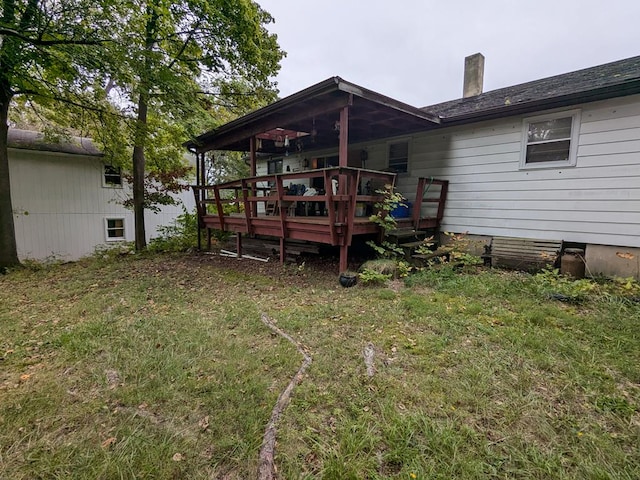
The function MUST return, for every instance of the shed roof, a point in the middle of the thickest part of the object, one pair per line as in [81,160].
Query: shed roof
[610,80]
[31,140]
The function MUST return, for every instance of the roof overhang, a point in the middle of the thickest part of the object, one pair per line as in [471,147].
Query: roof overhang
[527,106]
[314,113]
[36,141]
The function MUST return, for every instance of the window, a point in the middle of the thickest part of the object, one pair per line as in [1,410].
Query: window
[112,176]
[399,156]
[550,141]
[114,229]
[274,166]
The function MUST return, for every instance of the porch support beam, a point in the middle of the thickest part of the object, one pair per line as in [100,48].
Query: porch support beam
[342,181]
[344,259]
[202,174]
[252,161]
[344,136]
[252,155]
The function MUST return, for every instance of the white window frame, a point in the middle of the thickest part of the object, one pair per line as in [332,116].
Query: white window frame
[104,177]
[573,140]
[406,140]
[106,229]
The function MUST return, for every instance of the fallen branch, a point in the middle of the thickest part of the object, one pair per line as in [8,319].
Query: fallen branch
[266,466]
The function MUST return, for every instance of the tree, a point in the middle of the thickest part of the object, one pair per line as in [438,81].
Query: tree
[180,61]
[172,66]
[43,54]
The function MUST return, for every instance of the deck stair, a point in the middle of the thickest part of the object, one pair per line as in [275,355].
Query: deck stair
[407,238]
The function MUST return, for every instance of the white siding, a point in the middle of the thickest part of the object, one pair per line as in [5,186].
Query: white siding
[60,205]
[597,201]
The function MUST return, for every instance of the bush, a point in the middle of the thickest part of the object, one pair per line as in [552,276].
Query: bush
[181,236]
[551,283]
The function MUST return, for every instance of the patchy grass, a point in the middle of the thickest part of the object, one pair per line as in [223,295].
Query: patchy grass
[159,367]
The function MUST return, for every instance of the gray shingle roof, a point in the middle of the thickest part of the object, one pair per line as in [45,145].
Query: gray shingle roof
[596,83]
[30,140]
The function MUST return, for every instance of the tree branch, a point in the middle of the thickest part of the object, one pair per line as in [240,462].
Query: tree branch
[40,42]
[184,44]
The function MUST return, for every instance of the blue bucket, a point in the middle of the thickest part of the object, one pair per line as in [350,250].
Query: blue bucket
[402,211]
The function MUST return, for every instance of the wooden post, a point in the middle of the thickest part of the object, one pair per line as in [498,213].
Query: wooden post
[239,245]
[252,155]
[282,251]
[443,198]
[343,160]
[252,161]
[203,177]
[344,136]
[344,262]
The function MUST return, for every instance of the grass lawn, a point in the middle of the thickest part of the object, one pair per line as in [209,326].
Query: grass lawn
[160,367]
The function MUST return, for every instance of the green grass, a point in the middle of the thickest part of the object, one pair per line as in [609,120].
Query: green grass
[159,367]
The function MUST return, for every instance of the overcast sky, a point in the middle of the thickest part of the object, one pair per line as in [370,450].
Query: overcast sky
[413,50]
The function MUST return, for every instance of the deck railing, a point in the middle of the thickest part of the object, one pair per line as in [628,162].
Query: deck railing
[270,205]
[345,189]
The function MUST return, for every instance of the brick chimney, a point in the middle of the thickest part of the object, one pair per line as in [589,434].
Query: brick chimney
[473,75]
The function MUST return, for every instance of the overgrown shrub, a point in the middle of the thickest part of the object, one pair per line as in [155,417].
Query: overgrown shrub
[453,252]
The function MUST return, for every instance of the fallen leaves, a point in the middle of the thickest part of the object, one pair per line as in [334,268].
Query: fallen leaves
[109,442]
[204,423]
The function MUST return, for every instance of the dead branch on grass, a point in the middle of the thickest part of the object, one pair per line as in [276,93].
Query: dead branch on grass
[266,466]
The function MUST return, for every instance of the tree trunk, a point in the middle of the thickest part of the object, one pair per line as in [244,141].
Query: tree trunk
[8,248]
[138,172]
[141,130]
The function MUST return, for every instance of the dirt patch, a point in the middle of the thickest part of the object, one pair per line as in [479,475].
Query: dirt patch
[312,267]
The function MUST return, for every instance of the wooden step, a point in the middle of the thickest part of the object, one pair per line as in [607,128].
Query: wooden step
[405,233]
[412,244]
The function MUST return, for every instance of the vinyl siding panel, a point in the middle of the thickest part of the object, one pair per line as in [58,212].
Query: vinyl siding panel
[597,201]
[60,205]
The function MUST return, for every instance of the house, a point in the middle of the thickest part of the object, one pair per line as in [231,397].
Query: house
[555,159]
[67,201]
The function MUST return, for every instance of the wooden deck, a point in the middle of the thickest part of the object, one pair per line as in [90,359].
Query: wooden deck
[264,206]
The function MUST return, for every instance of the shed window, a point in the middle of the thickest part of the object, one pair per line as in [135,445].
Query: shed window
[550,141]
[112,176]
[114,229]
[399,156]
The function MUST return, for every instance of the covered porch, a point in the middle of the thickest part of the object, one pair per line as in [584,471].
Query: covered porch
[327,205]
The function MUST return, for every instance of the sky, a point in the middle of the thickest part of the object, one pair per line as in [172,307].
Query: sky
[414,50]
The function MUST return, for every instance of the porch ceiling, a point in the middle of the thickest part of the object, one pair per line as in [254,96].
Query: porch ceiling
[316,110]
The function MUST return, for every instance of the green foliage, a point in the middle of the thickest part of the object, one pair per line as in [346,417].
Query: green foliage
[376,272]
[181,236]
[454,251]
[623,287]
[390,201]
[403,269]
[551,283]
[386,249]
[369,276]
